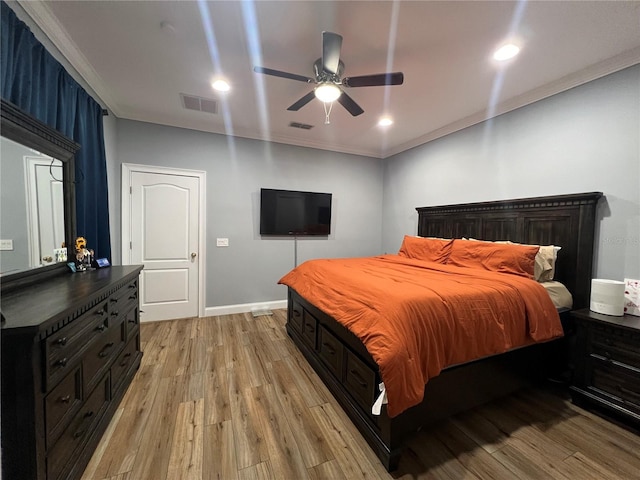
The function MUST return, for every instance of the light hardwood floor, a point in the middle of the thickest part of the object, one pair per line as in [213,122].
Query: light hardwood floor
[230,397]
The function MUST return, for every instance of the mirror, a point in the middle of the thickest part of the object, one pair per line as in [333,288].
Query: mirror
[37,197]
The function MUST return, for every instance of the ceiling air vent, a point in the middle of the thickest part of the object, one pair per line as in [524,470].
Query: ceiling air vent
[191,102]
[303,126]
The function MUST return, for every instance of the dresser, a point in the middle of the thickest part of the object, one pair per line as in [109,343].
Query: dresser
[70,348]
[607,364]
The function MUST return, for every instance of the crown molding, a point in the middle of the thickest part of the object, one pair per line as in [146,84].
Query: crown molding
[598,70]
[252,135]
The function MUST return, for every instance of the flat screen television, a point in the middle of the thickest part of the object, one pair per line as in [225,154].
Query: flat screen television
[287,212]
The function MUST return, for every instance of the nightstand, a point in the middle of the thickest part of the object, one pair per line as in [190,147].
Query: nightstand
[607,364]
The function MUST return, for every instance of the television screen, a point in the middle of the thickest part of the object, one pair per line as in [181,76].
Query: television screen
[286,212]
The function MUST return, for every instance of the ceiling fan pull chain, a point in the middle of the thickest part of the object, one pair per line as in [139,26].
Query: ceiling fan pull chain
[327,112]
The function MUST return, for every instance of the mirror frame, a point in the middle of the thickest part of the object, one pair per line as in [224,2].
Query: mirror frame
[23,128]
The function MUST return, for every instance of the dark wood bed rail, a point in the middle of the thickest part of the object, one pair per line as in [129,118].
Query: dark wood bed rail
[561,220]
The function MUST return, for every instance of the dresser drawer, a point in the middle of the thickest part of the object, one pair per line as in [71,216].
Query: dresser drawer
[360,381]
[616,344]
[132,322]
[331,352]
[619,382]
[102,353]
[124,361]
[80,427]
[66,346]
[61,403]
[125,296]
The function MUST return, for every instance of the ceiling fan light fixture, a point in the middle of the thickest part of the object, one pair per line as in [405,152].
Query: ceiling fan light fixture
[327,92]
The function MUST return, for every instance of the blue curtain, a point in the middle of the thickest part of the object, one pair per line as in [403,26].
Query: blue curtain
[37,83]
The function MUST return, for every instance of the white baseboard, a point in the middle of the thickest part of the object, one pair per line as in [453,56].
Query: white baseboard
[244,307]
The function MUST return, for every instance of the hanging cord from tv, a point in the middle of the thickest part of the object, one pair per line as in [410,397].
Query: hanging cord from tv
[295,251]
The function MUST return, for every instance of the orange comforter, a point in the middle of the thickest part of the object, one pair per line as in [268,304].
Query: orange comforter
[415,318]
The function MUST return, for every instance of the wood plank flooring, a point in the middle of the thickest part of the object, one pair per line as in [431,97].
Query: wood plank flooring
[230,397]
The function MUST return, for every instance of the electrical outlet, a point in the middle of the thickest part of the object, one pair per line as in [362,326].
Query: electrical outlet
[6,244]
[222,242]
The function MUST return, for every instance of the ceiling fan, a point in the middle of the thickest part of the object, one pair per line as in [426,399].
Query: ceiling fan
[328,78]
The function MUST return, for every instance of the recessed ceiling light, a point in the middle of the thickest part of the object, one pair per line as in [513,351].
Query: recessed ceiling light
[506,52]
[221,86]
[385,122]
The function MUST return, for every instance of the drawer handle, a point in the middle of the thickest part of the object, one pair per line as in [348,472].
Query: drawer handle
[310,328]
[80,432]
[126,361]
[61,341]
[133,297]
[104,352]
[65,399]
[132,286]
[358,378]
[132,321]
[114,300]
[115,313]
[330,349]
[101,328]
[100,312]
[296,313]
[62,362]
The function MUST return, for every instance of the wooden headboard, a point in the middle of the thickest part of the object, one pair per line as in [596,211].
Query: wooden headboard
[567,221]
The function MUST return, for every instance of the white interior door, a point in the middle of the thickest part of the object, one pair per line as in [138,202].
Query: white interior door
[165,237]
[45,204]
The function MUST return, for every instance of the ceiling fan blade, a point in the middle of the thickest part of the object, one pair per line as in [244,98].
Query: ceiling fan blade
[278,73]
[349,103]
[395,78]
[302,102]
[331,45]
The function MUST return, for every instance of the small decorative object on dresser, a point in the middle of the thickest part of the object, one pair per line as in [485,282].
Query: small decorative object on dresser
[632,297]
[607,296]
[607,364]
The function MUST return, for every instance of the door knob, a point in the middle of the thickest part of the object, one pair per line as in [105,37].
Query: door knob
[50,259]
[193,254]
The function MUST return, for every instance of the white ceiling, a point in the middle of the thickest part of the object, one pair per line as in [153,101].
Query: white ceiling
[138,68]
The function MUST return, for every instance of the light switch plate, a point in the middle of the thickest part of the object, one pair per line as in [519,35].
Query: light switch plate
[6,244]
[222,242]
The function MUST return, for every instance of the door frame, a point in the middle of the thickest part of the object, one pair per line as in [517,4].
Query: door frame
[127,170]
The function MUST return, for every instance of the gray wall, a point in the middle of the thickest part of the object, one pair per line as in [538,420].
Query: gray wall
[585,139]
[13,206]
[247,270]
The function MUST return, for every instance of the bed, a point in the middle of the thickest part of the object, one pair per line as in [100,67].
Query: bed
[354,377]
